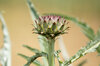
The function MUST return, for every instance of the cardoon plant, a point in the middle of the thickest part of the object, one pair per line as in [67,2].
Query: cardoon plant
[49,28]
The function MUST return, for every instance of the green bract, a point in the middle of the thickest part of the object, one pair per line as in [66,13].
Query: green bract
[50,26]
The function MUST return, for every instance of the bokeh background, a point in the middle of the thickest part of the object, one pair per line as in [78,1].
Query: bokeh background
[18,19]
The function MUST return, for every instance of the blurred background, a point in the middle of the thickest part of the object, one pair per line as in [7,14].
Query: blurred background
[19,23]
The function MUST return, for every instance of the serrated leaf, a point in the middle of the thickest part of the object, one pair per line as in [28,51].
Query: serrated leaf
[36,62]
[34,57]
[31,49]
[58,58]
[90,47]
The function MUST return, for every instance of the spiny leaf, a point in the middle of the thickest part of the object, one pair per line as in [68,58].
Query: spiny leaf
[90,47]
[33,12]
[26,57]
[57,56]
[34,57]
[31,49]
[36,62]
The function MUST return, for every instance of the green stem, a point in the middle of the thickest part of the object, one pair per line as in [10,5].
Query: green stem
[51,58]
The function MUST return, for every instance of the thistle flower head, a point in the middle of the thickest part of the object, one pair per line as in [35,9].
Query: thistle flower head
[50,26]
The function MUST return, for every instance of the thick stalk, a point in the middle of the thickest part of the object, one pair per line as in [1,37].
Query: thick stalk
[51,59]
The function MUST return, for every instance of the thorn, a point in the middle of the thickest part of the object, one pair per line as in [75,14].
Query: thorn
[58,19]
[49,18]
[54,23]
[35,21]
[64,21]
[44,21]
[39,18]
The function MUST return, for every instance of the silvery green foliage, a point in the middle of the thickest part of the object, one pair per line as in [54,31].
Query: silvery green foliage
[91,47]
[33,12]
[56,53]
[42,39]
[36,51]
[36,62]
[34,57]
[5,51]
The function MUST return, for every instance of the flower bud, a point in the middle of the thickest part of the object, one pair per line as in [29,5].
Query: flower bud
[50,26]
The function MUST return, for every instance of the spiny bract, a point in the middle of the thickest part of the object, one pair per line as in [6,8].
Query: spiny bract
[50,26]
